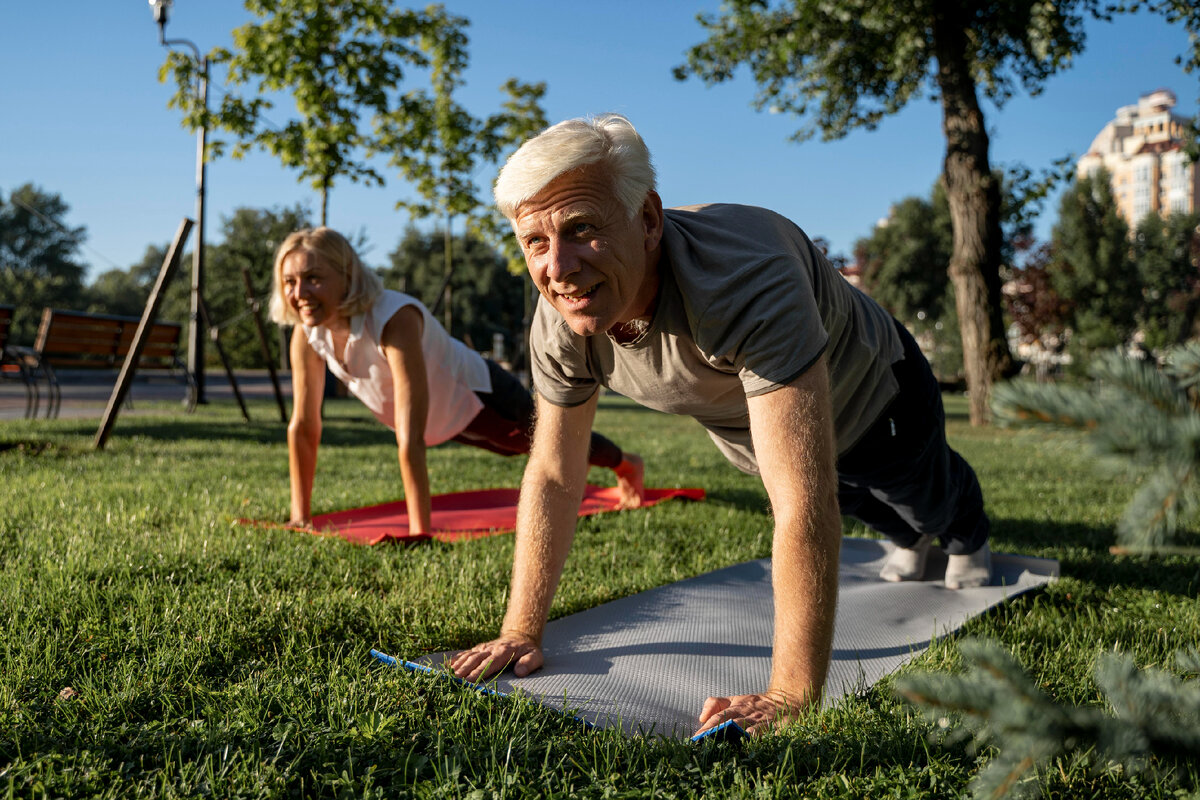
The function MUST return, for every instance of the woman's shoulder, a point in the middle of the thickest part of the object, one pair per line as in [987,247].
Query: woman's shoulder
[386,306]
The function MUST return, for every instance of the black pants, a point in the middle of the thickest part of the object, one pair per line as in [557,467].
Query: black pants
[902,479]
[505,423]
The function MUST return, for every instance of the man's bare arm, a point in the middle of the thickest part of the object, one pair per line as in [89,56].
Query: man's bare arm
[546,514]
[792,429]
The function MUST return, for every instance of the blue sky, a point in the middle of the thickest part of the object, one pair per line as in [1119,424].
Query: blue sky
[82,114]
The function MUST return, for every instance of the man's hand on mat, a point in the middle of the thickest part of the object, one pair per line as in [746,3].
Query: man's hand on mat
[630,481]
[755,713]
[491,658]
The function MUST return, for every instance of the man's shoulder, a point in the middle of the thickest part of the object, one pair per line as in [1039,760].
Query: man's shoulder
[724,250]
[725,231]
[716,213]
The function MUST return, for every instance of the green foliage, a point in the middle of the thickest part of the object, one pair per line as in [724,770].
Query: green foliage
[450,145]
[249,239]
[839,66]
[846,65]
[487,298]
[38,253]
[125,292]
[1140,416]
[349,68]
[118,291]
[339,61]
[1167,257]
[1156,719]
[905,261]
[1092,266]
[905,265]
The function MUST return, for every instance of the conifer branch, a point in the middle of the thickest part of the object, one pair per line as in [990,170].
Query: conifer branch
[1154,719]
[1143,418]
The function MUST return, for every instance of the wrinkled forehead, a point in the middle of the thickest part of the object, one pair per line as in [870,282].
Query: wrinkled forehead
[583,192]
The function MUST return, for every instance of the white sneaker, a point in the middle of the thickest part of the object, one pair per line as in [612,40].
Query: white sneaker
[973,569]
[908,563]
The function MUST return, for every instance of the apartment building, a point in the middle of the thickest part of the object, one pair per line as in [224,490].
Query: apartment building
[1142,149]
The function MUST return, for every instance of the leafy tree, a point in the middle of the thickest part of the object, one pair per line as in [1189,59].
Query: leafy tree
[38,257]
[451,144]
[848,64]
[1092,267]
[904,264]
[124,291]
[904,260]
[487,298]
[340,61]
[118,291]
[250,237]
[1167,256]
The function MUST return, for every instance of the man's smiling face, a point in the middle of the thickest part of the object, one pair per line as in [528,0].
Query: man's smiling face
[588,258]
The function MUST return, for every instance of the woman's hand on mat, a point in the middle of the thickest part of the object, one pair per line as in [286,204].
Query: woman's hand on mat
[755,713]
[483,661]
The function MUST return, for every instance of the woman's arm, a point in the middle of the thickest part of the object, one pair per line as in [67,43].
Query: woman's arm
[304,430]
[401,342]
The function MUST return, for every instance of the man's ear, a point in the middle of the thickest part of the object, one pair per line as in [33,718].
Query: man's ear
[652,219]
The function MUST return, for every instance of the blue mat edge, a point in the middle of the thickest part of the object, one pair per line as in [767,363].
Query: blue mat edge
[726,731]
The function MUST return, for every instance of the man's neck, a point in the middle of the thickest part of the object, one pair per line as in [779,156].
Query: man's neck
[635,327]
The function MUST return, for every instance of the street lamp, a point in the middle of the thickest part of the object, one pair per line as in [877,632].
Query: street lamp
[195,338]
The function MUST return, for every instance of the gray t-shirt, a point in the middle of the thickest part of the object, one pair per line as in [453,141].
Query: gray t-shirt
[746,304]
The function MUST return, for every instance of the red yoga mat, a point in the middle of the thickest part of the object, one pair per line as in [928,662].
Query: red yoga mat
[464,515]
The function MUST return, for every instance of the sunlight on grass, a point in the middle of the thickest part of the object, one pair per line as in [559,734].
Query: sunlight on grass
[208,658]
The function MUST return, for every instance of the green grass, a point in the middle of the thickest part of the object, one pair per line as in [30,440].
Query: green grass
[212,659]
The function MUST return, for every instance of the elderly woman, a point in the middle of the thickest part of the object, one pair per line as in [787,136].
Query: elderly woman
[403,365]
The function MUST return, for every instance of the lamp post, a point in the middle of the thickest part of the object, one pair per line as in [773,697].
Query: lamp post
[195,322]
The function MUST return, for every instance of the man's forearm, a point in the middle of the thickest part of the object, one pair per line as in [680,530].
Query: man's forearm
[546,516]
[804,576]
[793,439]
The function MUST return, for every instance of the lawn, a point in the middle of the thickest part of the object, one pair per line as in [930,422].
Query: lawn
[153,648]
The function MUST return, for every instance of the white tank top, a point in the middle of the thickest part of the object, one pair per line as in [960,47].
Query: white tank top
[454,371]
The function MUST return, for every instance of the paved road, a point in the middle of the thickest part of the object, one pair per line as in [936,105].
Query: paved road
[86,393]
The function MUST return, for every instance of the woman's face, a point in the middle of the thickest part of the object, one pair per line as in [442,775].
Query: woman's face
[312,288]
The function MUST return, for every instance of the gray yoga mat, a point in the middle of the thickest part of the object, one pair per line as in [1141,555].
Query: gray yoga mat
[646,663]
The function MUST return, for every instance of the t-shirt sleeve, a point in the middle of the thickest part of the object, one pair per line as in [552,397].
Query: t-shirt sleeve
[559,357]
[768,327]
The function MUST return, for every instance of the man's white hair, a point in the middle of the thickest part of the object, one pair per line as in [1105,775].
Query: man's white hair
[609,140]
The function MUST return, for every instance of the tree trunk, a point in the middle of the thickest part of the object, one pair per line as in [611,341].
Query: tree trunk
[974,197]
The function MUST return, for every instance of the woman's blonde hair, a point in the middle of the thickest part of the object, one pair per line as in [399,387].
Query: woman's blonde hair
[363,286]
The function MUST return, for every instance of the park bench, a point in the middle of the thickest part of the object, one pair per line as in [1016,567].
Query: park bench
[12,366]
[80,341]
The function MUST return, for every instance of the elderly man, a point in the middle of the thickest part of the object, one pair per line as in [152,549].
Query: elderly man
[728,314]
